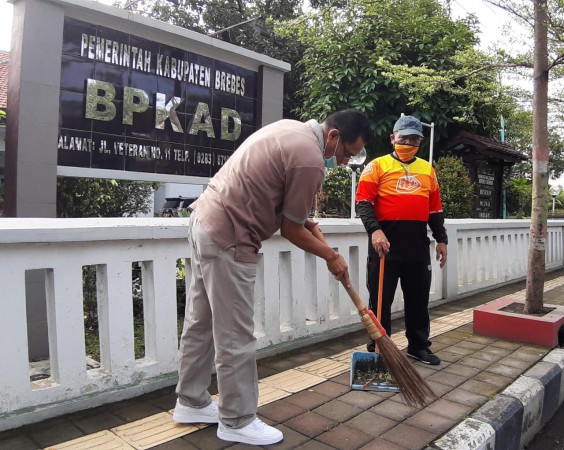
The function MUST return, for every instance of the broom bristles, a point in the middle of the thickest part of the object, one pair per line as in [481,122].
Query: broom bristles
[412,385]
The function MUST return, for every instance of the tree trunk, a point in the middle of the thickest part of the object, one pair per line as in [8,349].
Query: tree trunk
[537,245]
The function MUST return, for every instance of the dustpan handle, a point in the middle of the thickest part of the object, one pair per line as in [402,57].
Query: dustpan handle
[380,287]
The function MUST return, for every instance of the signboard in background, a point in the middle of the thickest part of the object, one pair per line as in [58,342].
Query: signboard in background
[130,104]
[485,198]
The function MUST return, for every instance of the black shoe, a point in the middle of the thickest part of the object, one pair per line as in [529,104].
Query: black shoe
[425,356]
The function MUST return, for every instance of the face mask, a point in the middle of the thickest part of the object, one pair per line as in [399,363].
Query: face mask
[331,163]
[405,152]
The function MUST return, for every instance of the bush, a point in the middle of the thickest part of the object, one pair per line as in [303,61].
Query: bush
[93,197]
[334,200]
[518,192]
[457,190]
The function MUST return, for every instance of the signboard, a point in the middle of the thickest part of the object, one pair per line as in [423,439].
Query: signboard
[131,104]
[485,197]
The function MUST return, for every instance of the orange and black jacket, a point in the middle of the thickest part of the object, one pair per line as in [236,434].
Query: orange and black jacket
[401,199]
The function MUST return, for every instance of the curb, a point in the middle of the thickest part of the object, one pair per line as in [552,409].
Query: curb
[512,418]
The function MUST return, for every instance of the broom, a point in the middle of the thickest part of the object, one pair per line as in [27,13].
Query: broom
[413,387]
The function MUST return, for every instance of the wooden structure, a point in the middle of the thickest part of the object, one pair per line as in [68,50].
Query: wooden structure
[486,159]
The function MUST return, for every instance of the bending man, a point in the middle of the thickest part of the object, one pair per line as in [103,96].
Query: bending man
[269,183]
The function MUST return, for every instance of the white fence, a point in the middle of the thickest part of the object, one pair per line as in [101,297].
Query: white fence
[296,299]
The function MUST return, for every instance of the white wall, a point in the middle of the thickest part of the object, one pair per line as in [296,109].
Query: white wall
[296,299]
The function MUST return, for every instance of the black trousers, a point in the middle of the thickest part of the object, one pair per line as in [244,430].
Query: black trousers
[415,281]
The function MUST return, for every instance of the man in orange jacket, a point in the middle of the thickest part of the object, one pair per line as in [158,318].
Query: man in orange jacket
[398,195]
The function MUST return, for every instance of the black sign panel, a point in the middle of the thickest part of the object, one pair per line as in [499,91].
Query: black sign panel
[131,104]
[485,194]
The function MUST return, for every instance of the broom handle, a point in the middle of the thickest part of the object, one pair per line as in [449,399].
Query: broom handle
[368,318]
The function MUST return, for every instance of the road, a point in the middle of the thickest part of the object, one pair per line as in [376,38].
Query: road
[551,437]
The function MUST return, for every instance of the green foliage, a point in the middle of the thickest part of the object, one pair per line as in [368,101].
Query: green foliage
[386,57]
[519,197]
[457,190]
[522,11]
[557,195]
[210,16]
[337,183]
[180,286]
[335,197]
[187,14]
[519,134]
[93,197]
[90,304]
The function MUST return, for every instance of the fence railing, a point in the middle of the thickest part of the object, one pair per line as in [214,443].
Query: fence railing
[296,299]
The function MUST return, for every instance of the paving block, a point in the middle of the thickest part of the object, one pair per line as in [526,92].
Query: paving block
[408,437]
[371,423]
[344,437]
[292,440]
[550,375]
[530,392]
[280,411]
[292,380]
[325,367]
[311,424]
[152,431]
[269,394]
[557,356]
[470,434]
[338,411]
[505,415]
[103,440]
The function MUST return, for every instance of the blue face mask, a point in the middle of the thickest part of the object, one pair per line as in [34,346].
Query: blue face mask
[331,163]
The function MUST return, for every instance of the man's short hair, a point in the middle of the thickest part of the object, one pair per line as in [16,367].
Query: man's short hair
[352,124]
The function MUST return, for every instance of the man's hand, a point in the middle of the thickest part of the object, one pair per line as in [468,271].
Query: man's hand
[441,250]
[380,243]
[335,263]
[339,268]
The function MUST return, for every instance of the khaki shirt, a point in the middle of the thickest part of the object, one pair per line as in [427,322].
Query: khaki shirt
[276,172]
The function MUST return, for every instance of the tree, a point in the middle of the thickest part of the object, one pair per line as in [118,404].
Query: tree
[547,20]
[260,36]
[182,13]
[384,57]
[94,197]
[537,246]
[457,190]
[254,31]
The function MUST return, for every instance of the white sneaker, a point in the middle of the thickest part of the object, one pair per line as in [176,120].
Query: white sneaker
[255,433]
[186,414]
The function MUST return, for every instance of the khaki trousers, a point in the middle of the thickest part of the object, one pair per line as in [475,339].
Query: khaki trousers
[219,322]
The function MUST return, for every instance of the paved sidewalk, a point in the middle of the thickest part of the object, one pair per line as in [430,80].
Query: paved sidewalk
[306,394]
